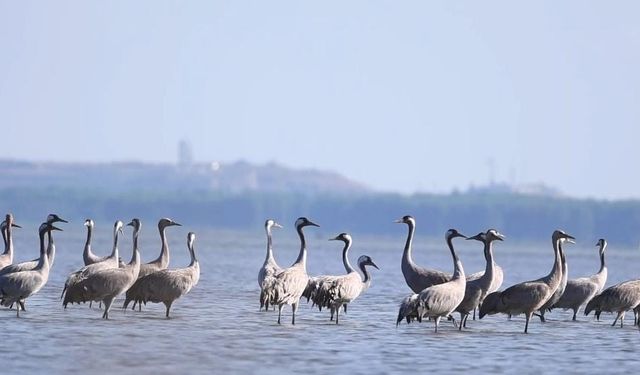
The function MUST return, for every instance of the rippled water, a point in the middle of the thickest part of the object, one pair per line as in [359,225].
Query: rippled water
[218,328]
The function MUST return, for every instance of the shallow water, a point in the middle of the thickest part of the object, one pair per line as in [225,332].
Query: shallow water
[218,328]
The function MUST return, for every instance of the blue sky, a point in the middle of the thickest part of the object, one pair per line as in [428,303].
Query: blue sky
[403,96]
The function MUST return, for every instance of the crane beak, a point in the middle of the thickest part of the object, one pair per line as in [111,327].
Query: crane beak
[373,265]
[500,237]
[313,224]
[61,220]
[15,225]
[56,228]
[176,224]
[277,225]
[476,237]
[570,239]
[130,224]
[399,221]
[334,238]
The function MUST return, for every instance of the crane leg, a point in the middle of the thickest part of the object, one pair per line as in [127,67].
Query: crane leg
[437,321]
[21,302]
[526,325]
[294,308]
[168,304]
[474,314]
[107,306]
[575,311]
[279,313]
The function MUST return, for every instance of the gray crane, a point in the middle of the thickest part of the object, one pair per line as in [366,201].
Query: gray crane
[417,278]
[32,264]
[270,267]
[617,298]
[318,286]
[582,290]
[342,290]
[162,262]
[437,300]
[477,289]
[112,261]
[51,251]
[18,286]
[87,255]
[528,296]
[6,258]
[561,288]
[289,283]
[168,285]
[105,284]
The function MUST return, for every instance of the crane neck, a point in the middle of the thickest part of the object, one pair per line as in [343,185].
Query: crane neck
[192,252]
[9,244]
[51,248]
[114,251]
[406,255]
[164,251]
[602,263]
[458,271]
[43,262]
[488,256]
[269,244]
[136,231]
[365,272]
[302,256]
[345,257]
[87,245]
[556,271]
[4,238]
[135,256]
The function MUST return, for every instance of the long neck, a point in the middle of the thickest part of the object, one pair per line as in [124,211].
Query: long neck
[488,256]
[164,251]
[9,248]
[345,257]
[192,252]
[367,276]
[602,265]
[114,252]
[135,256]
[51,248]
[302,256]
[269,245]
[406,255]
[4,238]
[565,266]
[458,271]
[135,245]
[42,261]
[87,244]
[553,279]
[134,265]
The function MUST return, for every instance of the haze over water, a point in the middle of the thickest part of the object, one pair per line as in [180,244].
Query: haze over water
[217,328]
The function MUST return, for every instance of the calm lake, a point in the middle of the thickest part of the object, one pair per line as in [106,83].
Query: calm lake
[217,328]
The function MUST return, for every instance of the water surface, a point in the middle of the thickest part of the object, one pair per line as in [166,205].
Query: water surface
[218,328]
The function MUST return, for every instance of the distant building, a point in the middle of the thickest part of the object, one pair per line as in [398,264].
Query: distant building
[185,154]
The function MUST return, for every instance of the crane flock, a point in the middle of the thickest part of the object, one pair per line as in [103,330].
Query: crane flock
[434,294]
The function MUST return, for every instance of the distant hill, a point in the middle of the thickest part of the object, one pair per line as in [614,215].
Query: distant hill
[236,177]
[241,196]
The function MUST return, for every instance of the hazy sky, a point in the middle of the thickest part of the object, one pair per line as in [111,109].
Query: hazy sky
[405,96]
